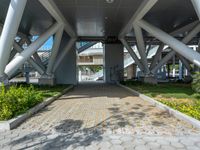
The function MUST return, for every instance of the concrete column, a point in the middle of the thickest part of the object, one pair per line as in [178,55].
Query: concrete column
[131,71]
[11,25]
[26,54]
[66,49]
[114,63]
[66,71]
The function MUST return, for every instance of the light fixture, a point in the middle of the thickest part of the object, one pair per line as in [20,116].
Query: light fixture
[109,1]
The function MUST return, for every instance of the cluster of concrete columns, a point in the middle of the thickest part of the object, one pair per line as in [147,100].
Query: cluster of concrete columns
[13,55]
[13,51]
[179,48]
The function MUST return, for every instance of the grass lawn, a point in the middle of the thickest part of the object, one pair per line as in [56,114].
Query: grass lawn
[176,95]
[19,98]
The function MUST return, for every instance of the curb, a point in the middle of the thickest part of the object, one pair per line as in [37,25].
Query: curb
[157,104]
[13,123]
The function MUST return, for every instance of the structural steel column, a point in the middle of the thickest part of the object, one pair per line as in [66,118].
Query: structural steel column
[188,38]
[196,4]
[141,47]
[11,25]
[54,52]
[178,46]
[157,56]
[132,53]
[26,54]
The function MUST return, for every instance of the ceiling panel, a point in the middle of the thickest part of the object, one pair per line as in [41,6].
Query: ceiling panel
[97,18]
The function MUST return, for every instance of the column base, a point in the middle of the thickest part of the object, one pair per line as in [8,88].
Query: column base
[4,80]
[47,80]
[149,79]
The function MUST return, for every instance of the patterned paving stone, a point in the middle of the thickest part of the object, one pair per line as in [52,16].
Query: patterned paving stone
[101,117]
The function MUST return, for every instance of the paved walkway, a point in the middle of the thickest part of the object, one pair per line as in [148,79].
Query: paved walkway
[101,117]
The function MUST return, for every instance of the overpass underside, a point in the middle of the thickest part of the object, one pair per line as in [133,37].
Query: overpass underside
[171,24]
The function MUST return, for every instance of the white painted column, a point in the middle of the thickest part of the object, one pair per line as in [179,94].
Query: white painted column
[175,44]
[27,53]
[54,52]
[141,48]
[11,25]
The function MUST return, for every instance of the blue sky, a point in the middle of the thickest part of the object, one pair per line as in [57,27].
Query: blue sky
[48,44]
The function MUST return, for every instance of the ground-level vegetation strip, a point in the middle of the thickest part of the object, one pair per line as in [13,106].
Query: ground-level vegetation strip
[178,96]
[18,99]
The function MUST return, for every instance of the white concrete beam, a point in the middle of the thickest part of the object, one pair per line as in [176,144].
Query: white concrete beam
[178,46]
[142,10]
[58,16]
[10,28]
[64,53]
[56,45]
[132,53]
[26,54]
[141,47]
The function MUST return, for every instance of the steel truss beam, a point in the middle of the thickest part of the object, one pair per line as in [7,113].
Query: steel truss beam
[27,53]
[145,6]
[178,46]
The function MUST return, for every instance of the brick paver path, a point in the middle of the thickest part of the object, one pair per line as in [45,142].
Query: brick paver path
[99,116]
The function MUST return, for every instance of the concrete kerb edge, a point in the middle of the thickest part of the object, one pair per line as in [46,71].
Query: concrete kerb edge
[159,105]
[13,123]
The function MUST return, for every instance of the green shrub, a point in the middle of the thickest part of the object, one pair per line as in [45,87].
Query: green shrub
[196,82]
[192,110]
[17,100]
